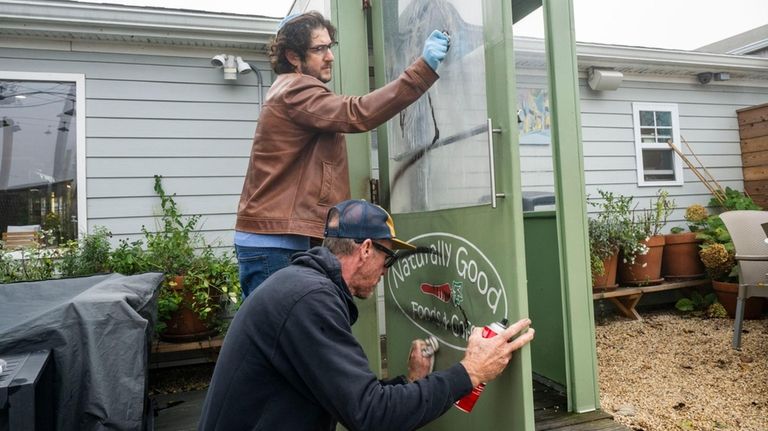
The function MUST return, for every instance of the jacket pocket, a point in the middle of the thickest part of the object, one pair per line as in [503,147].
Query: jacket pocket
[326,185]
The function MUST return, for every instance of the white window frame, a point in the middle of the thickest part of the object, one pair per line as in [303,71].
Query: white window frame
[640,145]
[79,80]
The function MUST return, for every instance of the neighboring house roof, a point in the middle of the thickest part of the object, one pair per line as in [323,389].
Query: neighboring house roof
[69,20]
[751,42]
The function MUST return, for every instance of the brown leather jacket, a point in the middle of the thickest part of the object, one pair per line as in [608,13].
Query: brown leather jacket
[298,167]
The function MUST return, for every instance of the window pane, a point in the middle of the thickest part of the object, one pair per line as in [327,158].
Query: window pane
[37,156]
[663,134]
[664,119]
[658,165]
[646,118]
[648,133]
[438,146]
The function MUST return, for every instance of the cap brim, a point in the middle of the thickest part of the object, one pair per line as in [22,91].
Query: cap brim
[402,245]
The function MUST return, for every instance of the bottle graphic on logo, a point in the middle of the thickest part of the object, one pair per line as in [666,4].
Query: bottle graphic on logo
[467,402]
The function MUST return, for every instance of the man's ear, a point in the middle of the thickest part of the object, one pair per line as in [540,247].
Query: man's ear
[293,58]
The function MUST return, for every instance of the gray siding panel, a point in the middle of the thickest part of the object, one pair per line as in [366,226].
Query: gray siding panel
[168,147]
[167,167]
[158,114]
[707,122]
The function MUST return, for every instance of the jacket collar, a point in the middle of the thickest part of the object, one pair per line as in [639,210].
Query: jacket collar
[322,260]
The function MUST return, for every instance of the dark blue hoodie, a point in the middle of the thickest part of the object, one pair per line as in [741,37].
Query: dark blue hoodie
[290,362]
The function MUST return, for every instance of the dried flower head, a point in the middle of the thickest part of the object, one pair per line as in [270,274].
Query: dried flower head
[696,213]
[718,260]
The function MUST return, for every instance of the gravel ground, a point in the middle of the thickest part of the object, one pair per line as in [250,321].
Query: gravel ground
[678,372]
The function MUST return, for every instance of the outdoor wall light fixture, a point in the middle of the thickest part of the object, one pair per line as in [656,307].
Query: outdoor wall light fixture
[604,79]
[231,64]
[228,63]
[707,77]
[234,65]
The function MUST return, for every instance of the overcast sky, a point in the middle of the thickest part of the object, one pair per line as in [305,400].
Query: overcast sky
[680,24]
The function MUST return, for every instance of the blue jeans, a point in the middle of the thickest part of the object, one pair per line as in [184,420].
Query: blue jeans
[258,263]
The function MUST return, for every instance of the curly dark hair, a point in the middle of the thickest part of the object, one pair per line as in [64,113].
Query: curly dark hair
[296,35]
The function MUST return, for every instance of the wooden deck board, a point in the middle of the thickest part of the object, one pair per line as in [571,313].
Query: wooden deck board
[181,412]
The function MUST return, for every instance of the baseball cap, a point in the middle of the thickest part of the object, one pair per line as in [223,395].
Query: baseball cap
[358,219]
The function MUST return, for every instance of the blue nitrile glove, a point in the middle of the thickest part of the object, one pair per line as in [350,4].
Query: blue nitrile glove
[435,49]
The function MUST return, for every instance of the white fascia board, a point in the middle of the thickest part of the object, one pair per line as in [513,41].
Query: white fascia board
[590,54]
[595,54]
[752,47]
[126,21]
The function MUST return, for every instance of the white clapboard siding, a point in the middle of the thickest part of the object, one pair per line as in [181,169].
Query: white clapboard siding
[166,115]
[124,187]
[168,147]
[707,123]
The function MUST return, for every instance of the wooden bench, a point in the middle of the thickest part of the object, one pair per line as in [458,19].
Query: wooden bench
[164,354]
[626,298]
[16,240]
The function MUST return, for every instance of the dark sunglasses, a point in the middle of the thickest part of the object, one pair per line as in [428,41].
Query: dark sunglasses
[391,255]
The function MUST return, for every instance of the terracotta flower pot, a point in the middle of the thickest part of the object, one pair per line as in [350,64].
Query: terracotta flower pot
[646,270]
[680,260]
[727,294]
[185,324]
[606,281]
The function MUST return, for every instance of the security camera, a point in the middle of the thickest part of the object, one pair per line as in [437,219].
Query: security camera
[219,60]
[705,77]
[242,66]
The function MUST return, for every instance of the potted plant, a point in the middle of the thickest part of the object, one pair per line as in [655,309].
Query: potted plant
[641,261]
[680,260]
[199,283]
[718,255]
[605,239]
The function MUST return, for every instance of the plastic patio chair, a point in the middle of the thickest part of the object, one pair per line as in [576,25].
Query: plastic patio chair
[749,241]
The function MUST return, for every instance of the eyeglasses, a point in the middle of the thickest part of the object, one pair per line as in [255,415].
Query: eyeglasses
[322,50]
[391,255]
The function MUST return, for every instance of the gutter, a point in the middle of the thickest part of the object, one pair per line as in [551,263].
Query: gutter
[117,22]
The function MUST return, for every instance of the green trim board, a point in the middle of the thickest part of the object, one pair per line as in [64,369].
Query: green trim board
[350,77]
[573,244]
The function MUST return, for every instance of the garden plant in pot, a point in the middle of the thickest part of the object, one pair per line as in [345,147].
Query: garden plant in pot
[199,283]
[640,263]
[606,235]
[681,260]
[718,255]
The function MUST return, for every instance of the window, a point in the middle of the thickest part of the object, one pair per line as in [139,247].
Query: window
[42,154]
[657,164]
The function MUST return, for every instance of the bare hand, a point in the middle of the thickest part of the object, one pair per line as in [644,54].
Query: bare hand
[419,365]
[486,358]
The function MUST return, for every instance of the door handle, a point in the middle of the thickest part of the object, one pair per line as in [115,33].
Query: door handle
[492,164]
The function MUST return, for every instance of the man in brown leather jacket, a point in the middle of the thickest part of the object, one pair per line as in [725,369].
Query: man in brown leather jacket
[298,167]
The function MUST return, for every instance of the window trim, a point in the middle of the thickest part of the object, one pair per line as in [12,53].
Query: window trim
[79,80]
[640,146]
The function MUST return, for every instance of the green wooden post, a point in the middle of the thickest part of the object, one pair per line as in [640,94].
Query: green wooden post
[568,160]
[351,78]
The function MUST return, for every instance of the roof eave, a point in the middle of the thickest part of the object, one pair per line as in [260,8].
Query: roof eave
[149,25]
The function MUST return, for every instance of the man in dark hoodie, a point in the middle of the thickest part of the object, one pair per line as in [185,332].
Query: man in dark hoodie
[290,362]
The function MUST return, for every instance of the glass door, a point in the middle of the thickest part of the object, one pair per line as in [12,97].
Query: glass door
[450,175]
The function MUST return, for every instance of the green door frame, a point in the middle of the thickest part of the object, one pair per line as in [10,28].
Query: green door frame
[351,77]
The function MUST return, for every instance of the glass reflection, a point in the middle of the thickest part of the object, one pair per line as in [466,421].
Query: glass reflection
[38,156]
[438,147]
